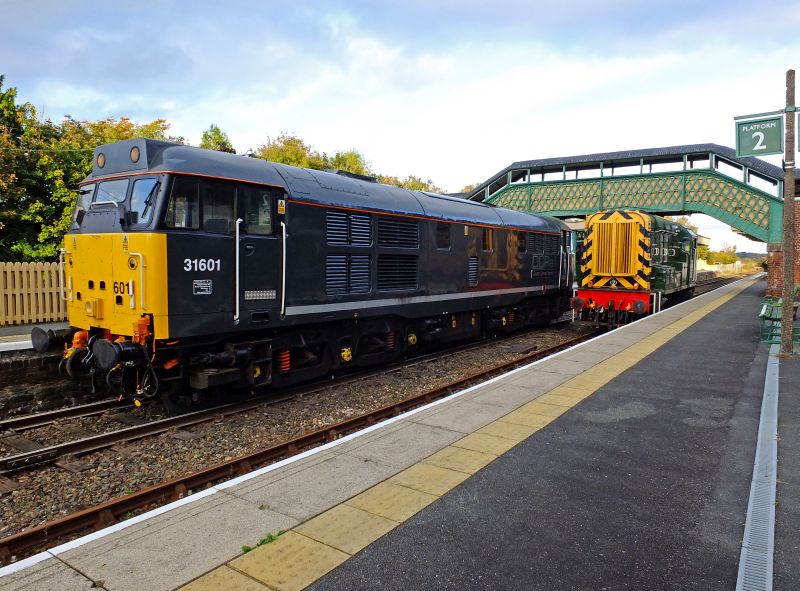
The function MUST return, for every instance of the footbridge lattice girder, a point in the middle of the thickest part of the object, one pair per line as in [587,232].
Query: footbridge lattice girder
[745,208]
[692,189]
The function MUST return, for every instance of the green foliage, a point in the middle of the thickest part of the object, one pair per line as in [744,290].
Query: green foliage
[684,221]
[41,164]
[702,252]
[290,149]
[216,139]
[726,256]
[411,182]
[351,161]
[269,538]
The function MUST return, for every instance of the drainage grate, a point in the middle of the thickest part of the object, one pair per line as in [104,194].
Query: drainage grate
[755,562]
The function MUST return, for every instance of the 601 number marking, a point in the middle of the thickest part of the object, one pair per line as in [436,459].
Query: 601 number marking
[120,287]
[201,264]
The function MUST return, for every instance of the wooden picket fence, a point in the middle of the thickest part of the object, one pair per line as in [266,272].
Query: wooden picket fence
[30,292]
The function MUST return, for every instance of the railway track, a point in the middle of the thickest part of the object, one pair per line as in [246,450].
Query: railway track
[33,454]
[93,518]
[109,512]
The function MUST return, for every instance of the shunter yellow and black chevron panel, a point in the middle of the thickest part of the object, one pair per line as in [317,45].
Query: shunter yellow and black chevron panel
[616,251]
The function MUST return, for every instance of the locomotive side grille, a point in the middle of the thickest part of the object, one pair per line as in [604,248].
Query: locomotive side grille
[397,271]
[551,244]
[359,273]
[360,229]
[343,229]
[336,228]
[347,273]
[398,233]
[336,274]
[535,243]
[472,271]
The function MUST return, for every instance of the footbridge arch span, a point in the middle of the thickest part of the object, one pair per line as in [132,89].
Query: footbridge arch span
[744,193]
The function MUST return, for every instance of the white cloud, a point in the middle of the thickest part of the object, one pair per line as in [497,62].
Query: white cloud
[456,105]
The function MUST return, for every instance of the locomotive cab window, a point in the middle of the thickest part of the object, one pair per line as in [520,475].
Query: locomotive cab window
[256,210]
[113,191]
[217,207]
[143,201]
[184,205]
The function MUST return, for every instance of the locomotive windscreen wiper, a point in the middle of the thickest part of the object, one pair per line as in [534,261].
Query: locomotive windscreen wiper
[149,199]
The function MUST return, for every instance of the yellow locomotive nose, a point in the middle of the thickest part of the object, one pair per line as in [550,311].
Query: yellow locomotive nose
[106,279]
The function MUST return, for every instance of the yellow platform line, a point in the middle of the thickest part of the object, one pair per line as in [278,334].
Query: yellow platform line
[312,549]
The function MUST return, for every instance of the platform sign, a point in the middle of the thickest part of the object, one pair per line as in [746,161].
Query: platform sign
[759,137]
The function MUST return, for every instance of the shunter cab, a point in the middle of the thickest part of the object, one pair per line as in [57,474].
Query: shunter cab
[630,260]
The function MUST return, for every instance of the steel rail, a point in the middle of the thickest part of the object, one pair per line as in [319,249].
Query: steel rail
[20,461]
[41,419]
[100,516]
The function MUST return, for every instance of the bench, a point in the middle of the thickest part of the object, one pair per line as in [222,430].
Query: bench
[769,318]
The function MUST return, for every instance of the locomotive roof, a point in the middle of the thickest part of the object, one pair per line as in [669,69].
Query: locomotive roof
[312,186]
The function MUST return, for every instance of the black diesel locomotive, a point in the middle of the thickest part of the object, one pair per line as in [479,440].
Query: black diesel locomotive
[187,271]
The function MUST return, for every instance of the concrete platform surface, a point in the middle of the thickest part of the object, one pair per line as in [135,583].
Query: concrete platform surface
[643,485]
[580,469]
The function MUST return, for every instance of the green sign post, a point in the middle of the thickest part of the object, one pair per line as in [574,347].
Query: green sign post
[759,137]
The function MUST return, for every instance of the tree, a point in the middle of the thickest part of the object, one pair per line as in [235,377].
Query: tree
[726,256]
[19,175]
[216,139]
[411,182]
[684,221]
[350,161]
[290,149]
[41,163]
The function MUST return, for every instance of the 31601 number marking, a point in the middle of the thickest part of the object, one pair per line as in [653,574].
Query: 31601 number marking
[201,264]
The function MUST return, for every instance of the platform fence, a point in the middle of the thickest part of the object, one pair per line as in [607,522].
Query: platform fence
[30,292]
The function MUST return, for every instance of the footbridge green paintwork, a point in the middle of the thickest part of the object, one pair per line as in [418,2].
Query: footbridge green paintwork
[680,179]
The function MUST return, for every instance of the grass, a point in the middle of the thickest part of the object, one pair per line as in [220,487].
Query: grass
[269,538]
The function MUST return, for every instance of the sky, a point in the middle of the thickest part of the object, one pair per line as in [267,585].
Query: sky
[453,91]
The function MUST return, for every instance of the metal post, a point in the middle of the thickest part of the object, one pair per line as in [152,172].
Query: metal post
[788,220]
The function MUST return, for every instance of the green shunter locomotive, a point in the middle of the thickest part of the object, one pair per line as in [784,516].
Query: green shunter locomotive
[631,263]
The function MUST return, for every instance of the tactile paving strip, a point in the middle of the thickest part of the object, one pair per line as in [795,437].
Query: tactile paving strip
[305,554]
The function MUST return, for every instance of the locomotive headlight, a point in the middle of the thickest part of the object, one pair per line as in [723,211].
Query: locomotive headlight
[101,160]
[134,154]
[93,308]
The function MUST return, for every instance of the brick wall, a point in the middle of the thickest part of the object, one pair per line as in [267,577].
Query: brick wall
[775,259]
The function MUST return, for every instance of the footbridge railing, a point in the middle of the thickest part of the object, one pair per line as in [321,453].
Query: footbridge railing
[682,179]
